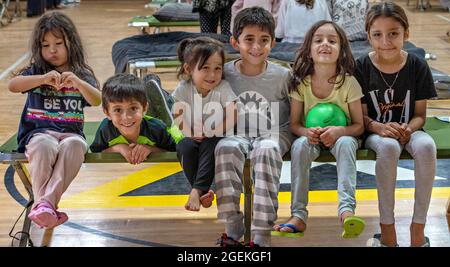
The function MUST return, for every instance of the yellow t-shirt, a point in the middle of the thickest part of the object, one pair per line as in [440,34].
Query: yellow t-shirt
[349,92]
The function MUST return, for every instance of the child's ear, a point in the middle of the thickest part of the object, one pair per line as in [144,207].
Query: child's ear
[272,45]
[106,113]
[234,43]
[186,69]
[406,36]
[145,109]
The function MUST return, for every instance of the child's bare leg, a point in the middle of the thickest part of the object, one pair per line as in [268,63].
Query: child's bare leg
[388,235]
[417,234]
[193,203]
[207,199]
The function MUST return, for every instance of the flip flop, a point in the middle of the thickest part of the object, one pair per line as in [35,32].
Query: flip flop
[295,232]
[353,227]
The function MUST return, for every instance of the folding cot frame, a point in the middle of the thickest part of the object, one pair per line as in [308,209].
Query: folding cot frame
[438,129]
[144,22]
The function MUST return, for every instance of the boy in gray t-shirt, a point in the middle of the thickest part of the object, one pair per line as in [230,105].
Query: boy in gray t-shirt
[262,130]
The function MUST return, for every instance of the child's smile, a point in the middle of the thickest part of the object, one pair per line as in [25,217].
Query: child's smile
[126,116]
[254,45]
[209,75]
[326,45]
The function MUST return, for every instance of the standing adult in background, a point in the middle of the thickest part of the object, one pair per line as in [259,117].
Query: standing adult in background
[295,17]
[54,4]
[350,15]
[270,5]
[210,12]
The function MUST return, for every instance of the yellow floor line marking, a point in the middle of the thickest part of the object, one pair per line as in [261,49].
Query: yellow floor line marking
[108,195]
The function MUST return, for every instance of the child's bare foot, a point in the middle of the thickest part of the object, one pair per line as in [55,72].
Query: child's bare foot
[207,199]
[417,234]
[193,203]
[293,225]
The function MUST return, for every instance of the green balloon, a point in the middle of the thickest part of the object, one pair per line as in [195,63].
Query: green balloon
[325,114]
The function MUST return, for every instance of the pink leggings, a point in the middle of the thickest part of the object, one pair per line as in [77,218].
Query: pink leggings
[54,161]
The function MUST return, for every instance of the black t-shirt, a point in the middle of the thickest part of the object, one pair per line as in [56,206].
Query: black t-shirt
[60,111]
[414,82]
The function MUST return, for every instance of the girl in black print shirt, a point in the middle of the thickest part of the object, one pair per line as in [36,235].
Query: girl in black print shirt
[396,86]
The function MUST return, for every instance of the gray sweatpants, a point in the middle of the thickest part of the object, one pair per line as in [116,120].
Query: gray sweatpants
[303,154]
[266,158]
[422,148]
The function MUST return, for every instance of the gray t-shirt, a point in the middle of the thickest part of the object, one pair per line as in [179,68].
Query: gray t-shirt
[203,110]
[263,100]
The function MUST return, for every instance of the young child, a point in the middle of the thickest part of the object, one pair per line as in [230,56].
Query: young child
[295,17]
[127,130]
[201,91]
[270,5]
[59,84]
[350,16]
[323,74]
[396,87]
[263,101]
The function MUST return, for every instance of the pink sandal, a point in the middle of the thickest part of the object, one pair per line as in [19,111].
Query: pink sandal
[44,215]
[62,218]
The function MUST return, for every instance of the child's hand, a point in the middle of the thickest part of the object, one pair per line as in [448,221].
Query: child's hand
[330,134]
[139,153]
[124,150]
[405,134]
[69,79]
[391,129]
[52,78]
[313,135]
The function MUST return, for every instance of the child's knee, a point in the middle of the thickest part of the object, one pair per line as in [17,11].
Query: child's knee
[299,143]
[43,144]
[185,145]
[427,150]
[74,144]
[389,148]
[227,147]
[347,142]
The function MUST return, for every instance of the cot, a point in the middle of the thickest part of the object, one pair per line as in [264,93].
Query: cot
[438,129]
[148,22]
[158,3]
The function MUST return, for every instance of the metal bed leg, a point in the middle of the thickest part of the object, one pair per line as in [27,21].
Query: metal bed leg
[448,213]
[4,13]
[248,200]
[17,9]
[22,171]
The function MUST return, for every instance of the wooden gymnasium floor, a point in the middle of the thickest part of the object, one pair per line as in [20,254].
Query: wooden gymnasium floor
[101,216]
